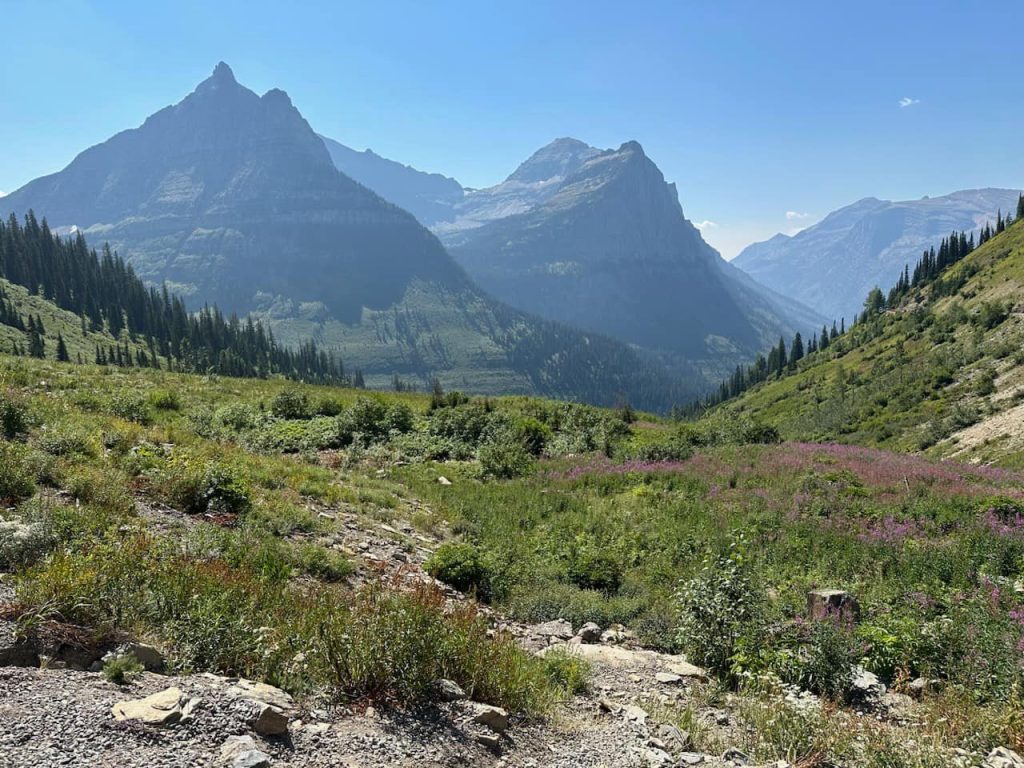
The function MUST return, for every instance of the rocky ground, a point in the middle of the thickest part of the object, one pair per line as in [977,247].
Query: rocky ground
[57,709]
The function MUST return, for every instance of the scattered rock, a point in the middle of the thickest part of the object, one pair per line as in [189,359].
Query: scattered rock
[865,687]
[494,718]
[668,678]
[449,690]
[635,713]
[261,693]
[241,752]
[270,721]
[559,629]
[589,633]
[823,603]
[657,758]
[490,740]
[675,738]
[691,758]
[736,757]
[617,634]
[918,687]
[1001,757]
[163,708]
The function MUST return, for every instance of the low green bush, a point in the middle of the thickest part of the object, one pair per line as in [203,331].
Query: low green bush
[197,485]
[460,565]
[569,672]
[122,670]
[14,415]
[17,476]
[291,404]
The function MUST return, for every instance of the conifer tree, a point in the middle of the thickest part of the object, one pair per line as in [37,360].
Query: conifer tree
[62,350]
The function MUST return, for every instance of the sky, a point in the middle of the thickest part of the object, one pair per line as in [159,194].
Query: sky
[767,116]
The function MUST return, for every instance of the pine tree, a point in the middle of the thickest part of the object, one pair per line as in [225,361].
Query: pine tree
[797,352]
[62,350]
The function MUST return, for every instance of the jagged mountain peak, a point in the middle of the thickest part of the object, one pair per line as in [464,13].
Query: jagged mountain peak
[554,160]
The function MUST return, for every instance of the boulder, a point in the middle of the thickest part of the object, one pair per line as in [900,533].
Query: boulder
[919,686]
[163,708]
[736,757]
[1001,757]
[635,714]
[589,633]
[241,752]
[449,690]
[494,718]
[865,687]
[149,656]
[823,603]
[261,693]
[674,738]
[442,480]
[559,629]
[13,651]
[270,721]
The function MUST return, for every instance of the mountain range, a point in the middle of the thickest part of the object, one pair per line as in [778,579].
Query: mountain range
[231,197]
[832,265]
[597,239]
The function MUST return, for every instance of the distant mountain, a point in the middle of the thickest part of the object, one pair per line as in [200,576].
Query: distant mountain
[430,197]
[832,265]
[232,198]
[597,239]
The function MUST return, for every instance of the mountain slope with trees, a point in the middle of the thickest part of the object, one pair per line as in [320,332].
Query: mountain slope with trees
[934,365]
[231,198]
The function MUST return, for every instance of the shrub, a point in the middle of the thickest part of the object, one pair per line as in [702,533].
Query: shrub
[65,441]
[592,566]
[129,406]
[568,672]
[122,669]
[531,434]
[372,420]
[238,416]
[717,608]
[764,434]
[322,563]
[22,543]
[827,667]
[504,461]
[291,404]
[460,565]
[165,400]
[16,472]
[197,486]
[14,415]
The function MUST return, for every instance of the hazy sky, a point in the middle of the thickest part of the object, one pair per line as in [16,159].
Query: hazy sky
[767,115]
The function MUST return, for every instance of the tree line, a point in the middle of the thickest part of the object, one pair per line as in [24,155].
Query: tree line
[104,291]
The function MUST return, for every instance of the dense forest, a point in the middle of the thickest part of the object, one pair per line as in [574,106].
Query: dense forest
[105,292]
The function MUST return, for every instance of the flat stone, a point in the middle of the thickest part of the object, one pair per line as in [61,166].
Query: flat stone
[635,713]
[163,708]
[668,678]
[494,718]
[490,740]
[271,721]
[262,693]
[559,628]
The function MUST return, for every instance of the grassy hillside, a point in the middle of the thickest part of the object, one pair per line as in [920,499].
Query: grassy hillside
[206,514]
[943,373]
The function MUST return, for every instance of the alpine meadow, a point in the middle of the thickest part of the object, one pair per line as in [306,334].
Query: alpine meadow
[649,450]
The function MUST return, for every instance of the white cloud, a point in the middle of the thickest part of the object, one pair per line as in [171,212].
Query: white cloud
[706,224]
[2,193]
[906,101]
[796,215]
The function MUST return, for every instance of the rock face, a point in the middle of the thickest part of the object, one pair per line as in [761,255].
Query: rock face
[832,265]
[231,198]
[600,242]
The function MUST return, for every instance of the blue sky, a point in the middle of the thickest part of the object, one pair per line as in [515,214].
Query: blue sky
[754,109]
